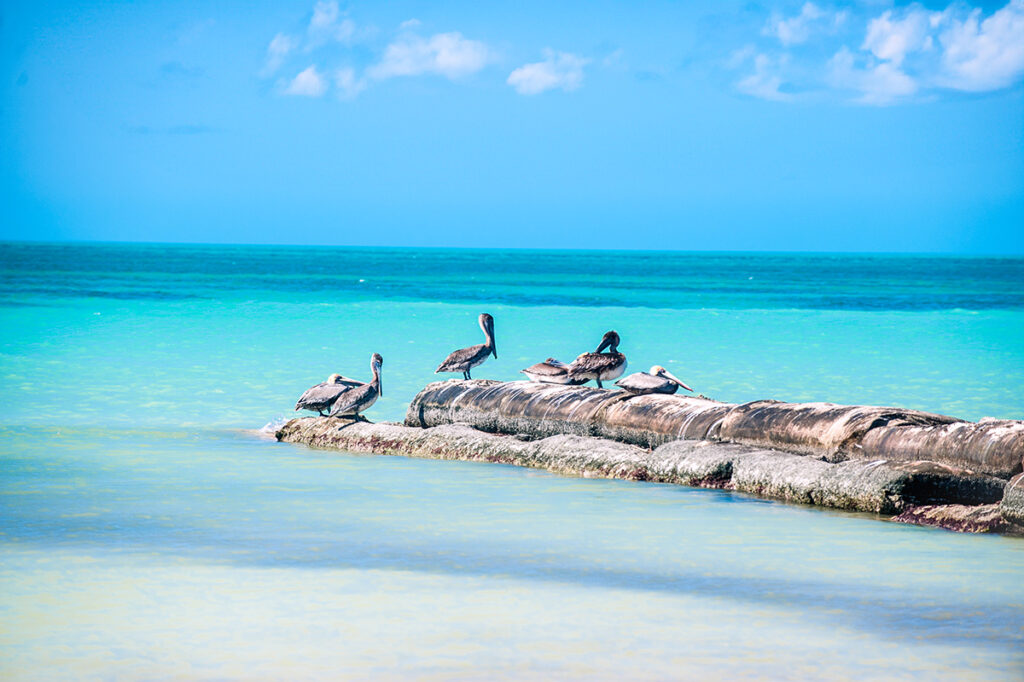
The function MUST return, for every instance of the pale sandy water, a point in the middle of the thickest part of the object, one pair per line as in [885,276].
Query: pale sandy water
[147,533]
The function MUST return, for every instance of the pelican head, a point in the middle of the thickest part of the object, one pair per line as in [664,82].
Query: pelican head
[555,363]
[659,371]
[334,379]
[375,364]
[487,324]
[610,340]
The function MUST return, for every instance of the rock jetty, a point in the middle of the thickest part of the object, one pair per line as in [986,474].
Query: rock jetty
[927,469]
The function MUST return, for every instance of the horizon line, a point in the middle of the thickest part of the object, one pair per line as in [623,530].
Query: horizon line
[113,242]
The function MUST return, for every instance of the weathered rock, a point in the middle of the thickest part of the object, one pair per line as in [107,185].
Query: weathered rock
[540,410]
[961,518]
[821,430]
[1012,506]
[564,454]
[863,486]
[989,447]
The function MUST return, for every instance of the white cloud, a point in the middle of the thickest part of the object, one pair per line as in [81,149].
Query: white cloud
[799,29]
[892,39]
[879,83]
[905,52]
[278,49]
[308,83]
[558,70]
[327,24]
[409,24]
[985,55]
[766,80]
[444,54]
[348,85]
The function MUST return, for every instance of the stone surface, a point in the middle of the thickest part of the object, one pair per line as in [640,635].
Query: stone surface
[864,486]
[820,430]
[961,518]
[990,446]
[1012,507]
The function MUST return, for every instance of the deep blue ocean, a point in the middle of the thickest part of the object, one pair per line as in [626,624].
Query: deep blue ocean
[149,529]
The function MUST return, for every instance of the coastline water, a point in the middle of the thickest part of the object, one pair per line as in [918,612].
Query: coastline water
[145,531]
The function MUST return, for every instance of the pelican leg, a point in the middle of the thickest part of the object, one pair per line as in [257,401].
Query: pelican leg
[467,374]
[599,383]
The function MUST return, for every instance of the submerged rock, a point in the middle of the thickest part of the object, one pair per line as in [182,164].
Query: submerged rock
[961,518]
[821,430]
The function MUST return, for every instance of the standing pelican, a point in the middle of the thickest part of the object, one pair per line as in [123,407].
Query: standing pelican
[360,398]
[465,359]
[600,366]
[551,371]
[322,396]
[659,380]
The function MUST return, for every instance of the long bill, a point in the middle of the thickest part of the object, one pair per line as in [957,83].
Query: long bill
[674,378]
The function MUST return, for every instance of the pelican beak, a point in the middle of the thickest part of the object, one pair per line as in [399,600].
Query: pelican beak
[494,351]
[672,377]
[604,344]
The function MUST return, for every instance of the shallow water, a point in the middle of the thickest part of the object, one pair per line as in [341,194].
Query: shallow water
[147,532]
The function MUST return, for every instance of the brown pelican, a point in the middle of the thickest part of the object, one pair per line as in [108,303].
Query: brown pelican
[551,371]
[359,399]
[322,396]
[465,359]
[600,366]
[659,380]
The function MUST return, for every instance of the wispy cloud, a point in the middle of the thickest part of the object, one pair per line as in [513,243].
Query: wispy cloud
[444,54]
[766,80]
[348,84]
[878,83]
[328,24]
[558,70]
[279,48]
[800,28]
[309,83]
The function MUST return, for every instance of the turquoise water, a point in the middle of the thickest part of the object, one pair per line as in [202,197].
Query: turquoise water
[147,530]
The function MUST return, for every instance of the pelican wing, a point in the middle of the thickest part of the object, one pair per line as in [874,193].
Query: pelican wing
[462,359]
[641,382]
[592,363]
[354,400]
[546,369]
[322,395]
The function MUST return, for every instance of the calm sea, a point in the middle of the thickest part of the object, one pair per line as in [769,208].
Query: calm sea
[147,531]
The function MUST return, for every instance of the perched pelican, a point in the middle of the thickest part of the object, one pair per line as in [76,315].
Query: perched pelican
[600,366]
[465,359]
[359,399]
[322,396]
[551,371]
[659,380]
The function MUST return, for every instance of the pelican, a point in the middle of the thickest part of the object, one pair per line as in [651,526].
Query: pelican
[551,371]
[322,396]
[359,399]
[658,380]
[465,359]
[600,366]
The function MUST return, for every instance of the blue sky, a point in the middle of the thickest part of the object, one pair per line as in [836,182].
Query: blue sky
[758,126]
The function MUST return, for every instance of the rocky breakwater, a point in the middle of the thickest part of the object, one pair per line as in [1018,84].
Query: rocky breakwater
[854,485]
[803,447]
